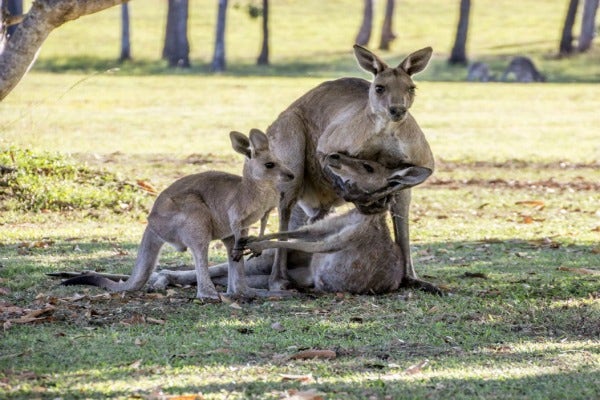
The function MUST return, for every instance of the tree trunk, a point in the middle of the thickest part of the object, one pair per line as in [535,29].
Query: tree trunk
[587,25]
[387,33]
[566,40]
[14,7]
[263,58]
[459,52]
[43,17]
[177,48]
[218,62]
[125,42]
[364,33]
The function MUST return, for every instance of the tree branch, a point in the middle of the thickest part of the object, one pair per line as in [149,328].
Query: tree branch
[43,17]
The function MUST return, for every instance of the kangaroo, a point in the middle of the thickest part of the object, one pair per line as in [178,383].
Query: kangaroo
[479,72]
[367,120]
[202,207]
[523,70]
[353,252]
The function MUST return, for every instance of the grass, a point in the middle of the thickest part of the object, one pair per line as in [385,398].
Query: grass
[508,225]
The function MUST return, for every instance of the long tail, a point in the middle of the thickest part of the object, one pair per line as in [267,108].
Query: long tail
[144,266]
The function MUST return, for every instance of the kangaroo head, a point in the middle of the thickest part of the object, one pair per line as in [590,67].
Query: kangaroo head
[261,163]
[369,184]
[392,91]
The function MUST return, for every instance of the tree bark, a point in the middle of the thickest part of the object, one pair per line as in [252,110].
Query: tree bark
[364,33]
[587,25]
[387,33]
[177,48]
[125,42]
[566,41]
[218,62]
[459,50]
[43,17]
[263,58]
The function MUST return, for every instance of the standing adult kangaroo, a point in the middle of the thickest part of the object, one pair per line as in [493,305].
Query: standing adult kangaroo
[362,119]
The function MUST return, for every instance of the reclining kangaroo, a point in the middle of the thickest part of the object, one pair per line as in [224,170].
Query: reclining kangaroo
[202,207]
[354,252]
[366,120]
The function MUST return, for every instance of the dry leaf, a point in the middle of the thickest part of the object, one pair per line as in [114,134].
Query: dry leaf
[145,186]
[527,219]
[531,203]
[416,368]
[151,320]
[136,364]
[308,354]
[277,327]
[582,271]
[298,378]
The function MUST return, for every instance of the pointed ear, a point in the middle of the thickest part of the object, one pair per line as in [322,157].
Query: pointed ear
[240,143]
[368,61]
[258,141]
[408,177]
[417,61]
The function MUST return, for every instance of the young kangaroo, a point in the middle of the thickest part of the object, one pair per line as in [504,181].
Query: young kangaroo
[523,70]
[367,120]
[211,205]
[353,252]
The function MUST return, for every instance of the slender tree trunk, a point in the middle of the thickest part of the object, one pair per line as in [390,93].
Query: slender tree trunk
[387,32]
[263,58]
[566,40]
[459,50]
[218,62]
[43,17]
[177,48]
[364,33]
[125,42]
[587,25]
[14,7]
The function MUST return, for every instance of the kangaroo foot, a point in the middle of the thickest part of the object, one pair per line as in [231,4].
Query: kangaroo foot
[252,293]
[422,285]
[279,284]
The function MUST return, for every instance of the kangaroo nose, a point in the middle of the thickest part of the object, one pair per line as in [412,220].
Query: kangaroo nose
[397,112]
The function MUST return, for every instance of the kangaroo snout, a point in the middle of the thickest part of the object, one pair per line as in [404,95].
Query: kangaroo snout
[397,112]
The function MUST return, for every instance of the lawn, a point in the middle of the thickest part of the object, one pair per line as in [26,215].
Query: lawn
[508,226]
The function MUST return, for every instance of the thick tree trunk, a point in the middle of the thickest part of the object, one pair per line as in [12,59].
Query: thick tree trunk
[177,48]
[587,25]
[263,58]
[218,62]
[43,17]
[566,40]
[459,50]
[125,42]
[364,33]
[387,32]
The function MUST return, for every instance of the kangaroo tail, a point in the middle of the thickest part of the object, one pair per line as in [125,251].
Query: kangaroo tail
[144,266]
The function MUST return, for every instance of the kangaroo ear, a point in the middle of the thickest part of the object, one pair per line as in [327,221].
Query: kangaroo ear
[417,61]
[258,141]
[408,177]
[368,61]
[240,143]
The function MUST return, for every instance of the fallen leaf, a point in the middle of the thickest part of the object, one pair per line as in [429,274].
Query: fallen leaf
[136,364]
[527,219]
[475,275]
[416,368]
[155,321]
[298,378]
[147,187]
[582,271]
[309,354]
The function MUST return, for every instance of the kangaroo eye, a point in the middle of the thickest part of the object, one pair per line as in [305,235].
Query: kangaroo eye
[368,168]
[379,89]
[269,165]
[412,90]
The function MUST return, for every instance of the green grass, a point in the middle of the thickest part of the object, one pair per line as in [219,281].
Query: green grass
[508,225]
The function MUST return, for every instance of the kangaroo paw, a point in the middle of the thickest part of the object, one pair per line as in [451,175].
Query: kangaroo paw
[422,285]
